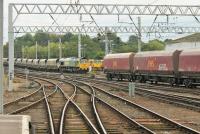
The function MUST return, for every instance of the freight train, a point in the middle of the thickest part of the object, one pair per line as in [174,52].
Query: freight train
[175,67]
[72,65]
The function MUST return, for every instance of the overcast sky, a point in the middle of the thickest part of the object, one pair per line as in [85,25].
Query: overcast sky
[111,20]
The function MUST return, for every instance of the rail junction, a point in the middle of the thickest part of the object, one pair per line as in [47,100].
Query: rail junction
[89,104]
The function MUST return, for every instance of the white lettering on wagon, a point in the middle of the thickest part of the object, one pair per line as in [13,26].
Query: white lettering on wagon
[163,67]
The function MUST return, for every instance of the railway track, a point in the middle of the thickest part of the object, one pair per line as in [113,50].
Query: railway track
[165,87]
[180,100]
[34,108]
[159,86]
[112,120]
[24,100]
[127,127]
[145,117]
[27,99]
[143,120]
[69,124]
[74,122]
[84,102]
[183,100]
[54,107]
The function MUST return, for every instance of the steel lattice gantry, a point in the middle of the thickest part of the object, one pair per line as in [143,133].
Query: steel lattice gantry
[107,9]
[113,29]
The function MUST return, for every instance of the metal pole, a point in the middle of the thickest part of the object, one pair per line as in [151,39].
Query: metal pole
[1,57]
[106,42]
[79,45]
[60,48]
[11,47]
[36,50]
[49,50]
[139,34]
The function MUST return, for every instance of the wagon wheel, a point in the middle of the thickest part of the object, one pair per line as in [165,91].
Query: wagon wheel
[187,83]
[140,78]
[121,77]
[118,77]
[156,82]
[172,81]
[129,78]
[133,78]
[151,82]
[109,77]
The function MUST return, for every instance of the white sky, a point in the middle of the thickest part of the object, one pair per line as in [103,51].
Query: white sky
[111,20]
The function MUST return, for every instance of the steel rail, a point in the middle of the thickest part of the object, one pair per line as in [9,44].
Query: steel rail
[181,97]
[153,113]
[169,120]
[34,103]
[61,127]
[86,118]
[49,112]
[37,102]
[188,102]
[127,101]
[118,84]
[23,97]
[89,123]
[122,114]
[31,105]
[103,130]
[166,87]
[93,95]
[70,100]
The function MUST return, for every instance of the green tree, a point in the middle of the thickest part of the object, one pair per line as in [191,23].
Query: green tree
[25,40]
[5,51]
[92,47]
[133,39]
[67,37]
[42,38]
[153,45]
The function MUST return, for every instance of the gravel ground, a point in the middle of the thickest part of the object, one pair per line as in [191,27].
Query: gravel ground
[20,89]
[184,116]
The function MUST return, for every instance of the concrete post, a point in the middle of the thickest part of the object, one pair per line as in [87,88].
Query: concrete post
[131,86]
[1,57]
[11,47]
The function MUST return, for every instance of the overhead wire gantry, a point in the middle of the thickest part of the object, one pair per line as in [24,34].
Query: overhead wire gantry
[107,9]
[113,29]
